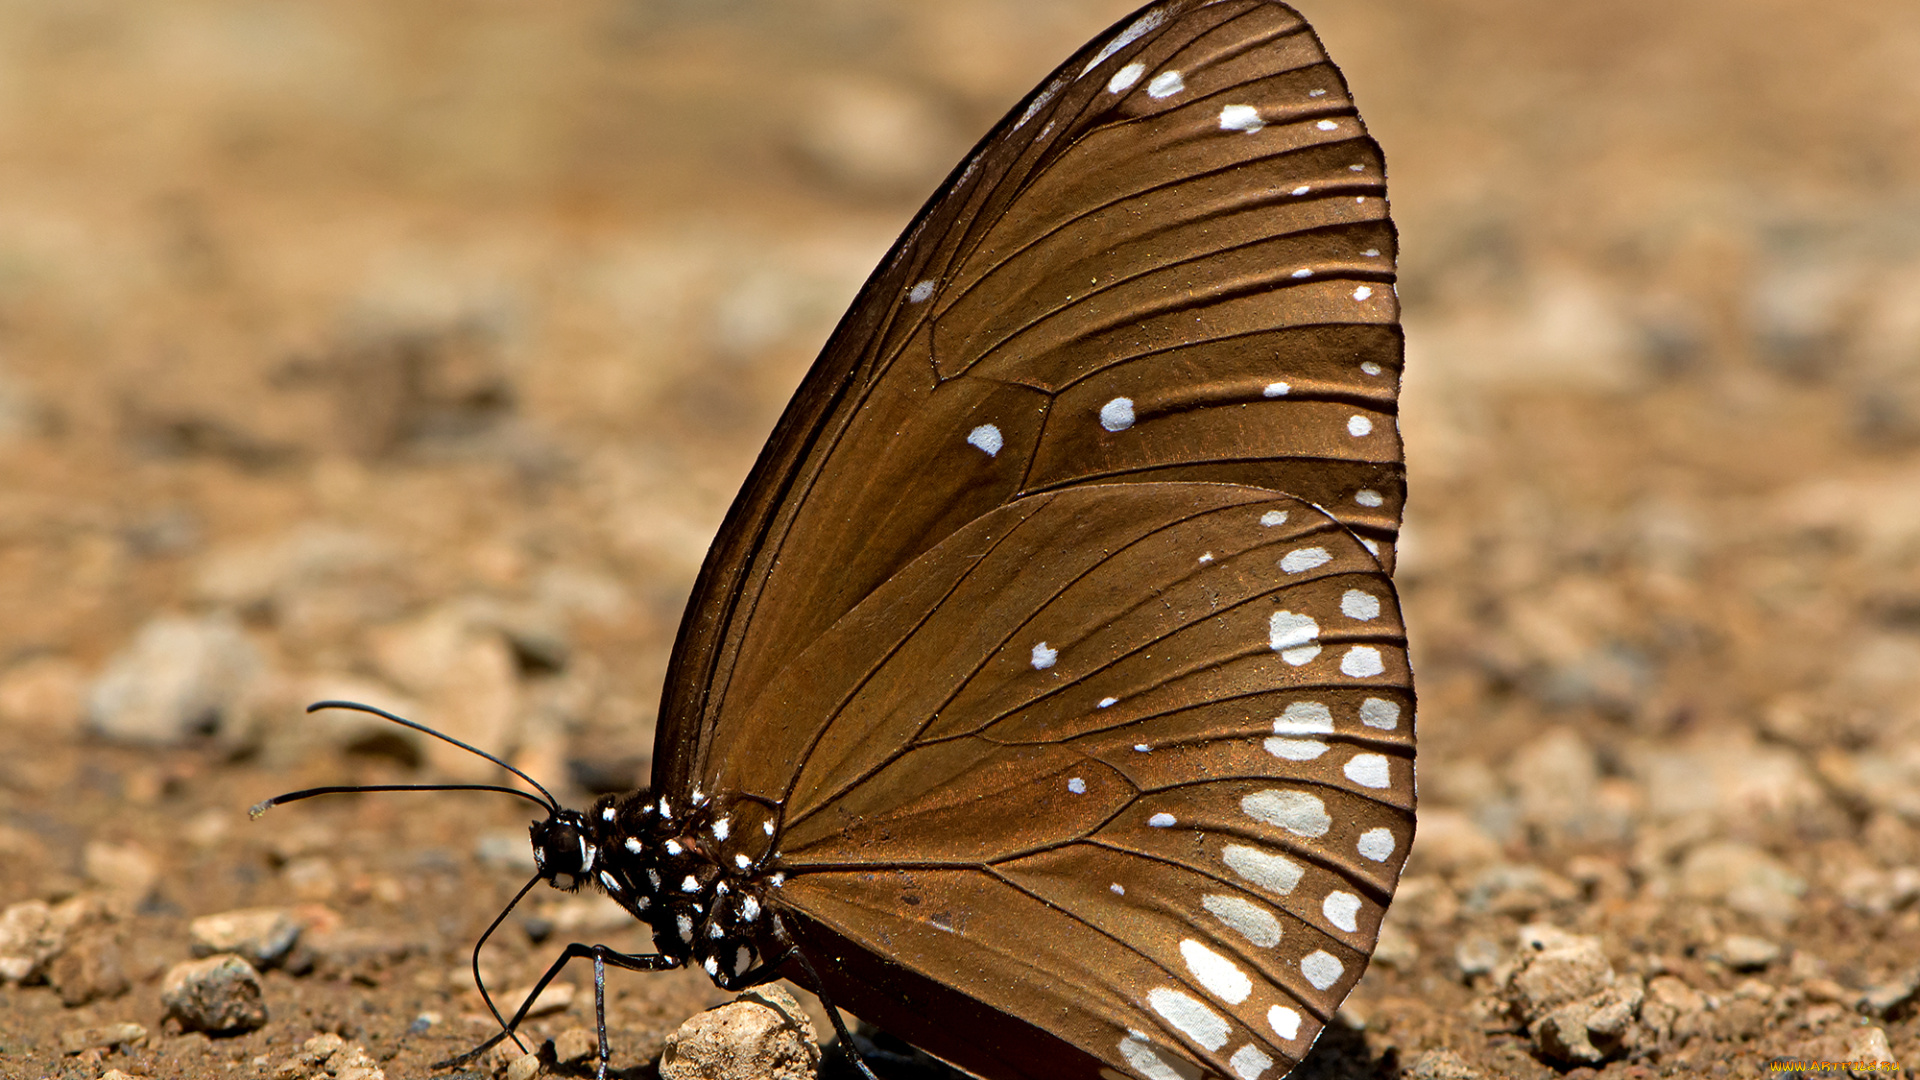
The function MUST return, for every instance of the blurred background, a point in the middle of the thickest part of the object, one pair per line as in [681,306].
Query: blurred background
[412,350]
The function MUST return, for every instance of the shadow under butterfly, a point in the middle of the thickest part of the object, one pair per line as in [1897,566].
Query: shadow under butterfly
[1044,698]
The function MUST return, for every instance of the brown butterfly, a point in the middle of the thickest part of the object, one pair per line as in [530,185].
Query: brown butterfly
[1045,699]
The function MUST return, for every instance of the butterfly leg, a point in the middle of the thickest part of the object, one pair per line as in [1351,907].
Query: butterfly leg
[601,956]
[820,991]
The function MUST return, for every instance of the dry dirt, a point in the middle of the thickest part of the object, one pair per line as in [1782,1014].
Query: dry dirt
[411,350]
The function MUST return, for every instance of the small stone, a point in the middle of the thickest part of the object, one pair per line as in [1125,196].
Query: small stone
[1555,968]
[128,871]
[1395,948]
[103,1037]
[357,951]
[1449,840]
[329,1057]
[1885,1000]
[1516,889]
[1742,952]
[179,679]
[115,1074]
[217,995]
[1869,1044]
[28,940]
[524,1067]
[1476,956]
[575,1045]
[761,1035]
[264,936]
[1880,892]
[1442,1065]
[1673,1010]
[43,696]
[88,968]
[1424,902]
[1742,877]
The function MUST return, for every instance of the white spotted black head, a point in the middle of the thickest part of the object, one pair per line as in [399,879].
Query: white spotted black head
[563,852]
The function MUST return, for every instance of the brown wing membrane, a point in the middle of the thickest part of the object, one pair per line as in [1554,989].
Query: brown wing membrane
[1173,262]
[1138,772]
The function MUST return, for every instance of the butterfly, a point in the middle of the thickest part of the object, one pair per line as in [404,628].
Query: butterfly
[1044,698]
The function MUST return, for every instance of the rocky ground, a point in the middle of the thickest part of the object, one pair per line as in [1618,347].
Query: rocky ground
[411,351]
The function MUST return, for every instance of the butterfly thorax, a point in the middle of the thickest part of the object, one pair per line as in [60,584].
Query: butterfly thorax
[699,872]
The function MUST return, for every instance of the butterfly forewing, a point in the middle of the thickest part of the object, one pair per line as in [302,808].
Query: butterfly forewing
[1055,615]
[1105,292]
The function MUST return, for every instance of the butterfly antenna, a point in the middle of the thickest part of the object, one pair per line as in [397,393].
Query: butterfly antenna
[478,945]
[546,800]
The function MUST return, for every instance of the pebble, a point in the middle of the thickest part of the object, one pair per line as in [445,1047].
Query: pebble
[1442,1065]
[102,1037]
[1563,989]
[1743,952]
[128,871]
[557,997]
[1880,892]
[263,936]
[761,1035]
[1885,999]
[1673,1011]
[217,995]
[524,1067]
[575,1045]
[1517,889]
[1476,956]
[179,679]
[1395,948]
[1742,877]
[44,696]
[1448,841]
[329,1057]
[88,968]
[33,933]
[356,951]
[1870,1044]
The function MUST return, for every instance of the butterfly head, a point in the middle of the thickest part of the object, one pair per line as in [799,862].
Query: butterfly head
[564,851]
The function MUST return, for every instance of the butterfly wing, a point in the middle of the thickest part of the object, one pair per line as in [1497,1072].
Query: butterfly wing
[1172,263]
[1154,796]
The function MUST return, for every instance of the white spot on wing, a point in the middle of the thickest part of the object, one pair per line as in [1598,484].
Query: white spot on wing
[632,845]
[1301,718]
[1248,919]
[1301,560]
[1355,604]
[1273,517]
[1376,844]
[1284,1021]
[1274,873]
[1108,701]
[1276,389]
[1145,24]
[1194,1020]
[1241,118]
[1044,657]
[1118,889]
[1250,1062]
[1342,909]
[1302,189]
[1295,811]
[1221,976]
[1165,85]
[721,828]
[1303,273]
[1327,125]
[1380,713]
[1117,415]
[1359,426]
[1362,662]
[1077,785]
[1363,292]
[1293,636]
[920,292]
[1139,1054]
[1369,366]
[1321,968]
[1316,93]
[986,437]
[1161,821]
[1125,78]
[1369,497]
[1369,770]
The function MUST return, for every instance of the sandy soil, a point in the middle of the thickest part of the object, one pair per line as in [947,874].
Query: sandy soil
[412,350]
